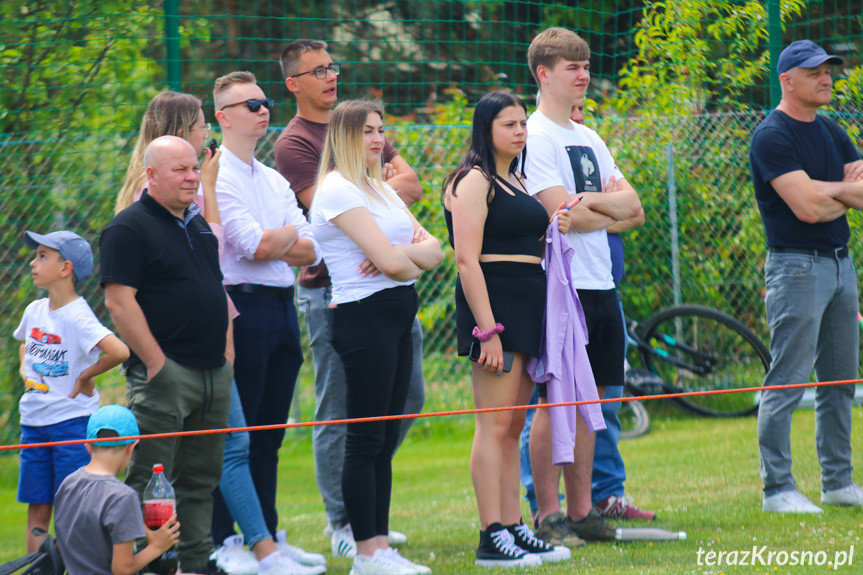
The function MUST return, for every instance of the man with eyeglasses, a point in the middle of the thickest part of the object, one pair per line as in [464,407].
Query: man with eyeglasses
[265,234]
[312,77]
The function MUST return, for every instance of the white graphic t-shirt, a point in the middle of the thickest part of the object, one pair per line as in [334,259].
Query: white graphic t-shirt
[578,160]
[58,346]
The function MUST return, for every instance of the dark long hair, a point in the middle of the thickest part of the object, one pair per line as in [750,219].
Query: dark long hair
[481,152]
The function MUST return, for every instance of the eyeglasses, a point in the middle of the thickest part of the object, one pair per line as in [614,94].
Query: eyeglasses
[321,71]
[254,104]
[206,127]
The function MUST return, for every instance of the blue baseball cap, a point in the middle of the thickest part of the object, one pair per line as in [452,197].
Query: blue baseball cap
[804,54]
[116,418]
[71,246]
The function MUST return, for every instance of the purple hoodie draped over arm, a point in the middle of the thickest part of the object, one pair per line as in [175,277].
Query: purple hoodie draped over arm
[563,364]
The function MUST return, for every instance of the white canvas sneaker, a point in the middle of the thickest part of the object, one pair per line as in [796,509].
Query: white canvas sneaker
[789,502]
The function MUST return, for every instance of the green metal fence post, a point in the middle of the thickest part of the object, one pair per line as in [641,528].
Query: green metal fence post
[774,31]
[172,44]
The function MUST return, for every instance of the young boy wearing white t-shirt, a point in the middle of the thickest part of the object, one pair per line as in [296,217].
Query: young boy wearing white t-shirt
[61,340]
[566,160]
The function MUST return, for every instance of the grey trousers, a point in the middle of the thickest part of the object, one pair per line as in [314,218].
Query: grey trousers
[812,310]
[328,441]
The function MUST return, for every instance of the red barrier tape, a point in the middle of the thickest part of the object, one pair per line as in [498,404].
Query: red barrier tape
[421,415]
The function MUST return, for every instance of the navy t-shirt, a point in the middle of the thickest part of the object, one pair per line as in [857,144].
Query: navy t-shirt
[781,144]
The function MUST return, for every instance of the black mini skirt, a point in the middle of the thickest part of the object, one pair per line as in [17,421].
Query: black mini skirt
[516,292]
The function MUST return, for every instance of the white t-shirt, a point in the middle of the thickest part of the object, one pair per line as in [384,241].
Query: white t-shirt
[579,161]
[58,346]
[335,196]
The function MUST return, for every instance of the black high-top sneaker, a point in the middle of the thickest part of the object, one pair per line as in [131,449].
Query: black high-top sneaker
[497,548]
[525,539]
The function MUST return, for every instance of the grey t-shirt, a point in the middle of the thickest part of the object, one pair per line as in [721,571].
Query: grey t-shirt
[92,513]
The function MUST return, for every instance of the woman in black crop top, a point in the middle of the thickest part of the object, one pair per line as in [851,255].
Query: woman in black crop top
[497,231]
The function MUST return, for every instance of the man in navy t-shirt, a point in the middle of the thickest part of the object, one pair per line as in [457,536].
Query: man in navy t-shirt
[807,175]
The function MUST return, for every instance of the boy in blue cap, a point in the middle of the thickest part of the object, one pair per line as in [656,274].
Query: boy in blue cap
[61,340]
[98,516]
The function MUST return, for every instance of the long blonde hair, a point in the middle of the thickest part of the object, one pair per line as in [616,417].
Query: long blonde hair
[169,113]
[344,151]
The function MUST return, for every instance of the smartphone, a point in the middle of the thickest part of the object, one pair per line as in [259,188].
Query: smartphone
[213,145]
[475,350]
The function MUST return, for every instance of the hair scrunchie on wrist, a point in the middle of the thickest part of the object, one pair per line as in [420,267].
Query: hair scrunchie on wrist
[487,335]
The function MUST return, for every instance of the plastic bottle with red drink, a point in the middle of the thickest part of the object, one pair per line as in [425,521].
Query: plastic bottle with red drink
[159,505]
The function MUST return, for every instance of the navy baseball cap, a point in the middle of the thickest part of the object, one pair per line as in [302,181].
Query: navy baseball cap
[71,246]
[804,54]
[115,418]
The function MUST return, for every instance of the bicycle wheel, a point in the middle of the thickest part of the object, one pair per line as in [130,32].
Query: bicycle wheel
[634,419]
[696,348]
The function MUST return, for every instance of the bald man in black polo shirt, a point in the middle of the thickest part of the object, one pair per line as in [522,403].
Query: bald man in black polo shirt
[163,288]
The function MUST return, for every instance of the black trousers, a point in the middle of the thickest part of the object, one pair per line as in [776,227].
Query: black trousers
[373,338]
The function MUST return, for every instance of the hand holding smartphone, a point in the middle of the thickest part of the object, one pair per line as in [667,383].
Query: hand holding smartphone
[476,349]
[213,145]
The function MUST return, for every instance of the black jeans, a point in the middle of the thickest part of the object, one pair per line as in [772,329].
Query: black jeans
[373,338]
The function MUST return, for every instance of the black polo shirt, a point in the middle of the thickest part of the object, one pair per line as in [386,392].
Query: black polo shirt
[781,144]
[174,265]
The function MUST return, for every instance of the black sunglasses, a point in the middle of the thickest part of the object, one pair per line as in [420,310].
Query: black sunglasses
[254,104]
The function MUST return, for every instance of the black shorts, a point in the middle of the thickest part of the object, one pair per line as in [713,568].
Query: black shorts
[605,335]
[516,292]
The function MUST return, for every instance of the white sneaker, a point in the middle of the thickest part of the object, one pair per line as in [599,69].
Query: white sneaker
[851,495]
[342,544]
[284,565]
[299,555]
[233,559]
[789,502]
[393,537]
[394,557]
[377,564]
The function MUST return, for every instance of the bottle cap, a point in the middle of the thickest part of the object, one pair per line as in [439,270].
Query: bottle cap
[158,468]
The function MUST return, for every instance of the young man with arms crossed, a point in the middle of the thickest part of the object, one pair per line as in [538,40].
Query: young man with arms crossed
[567,160]
[312,77]
[265,235]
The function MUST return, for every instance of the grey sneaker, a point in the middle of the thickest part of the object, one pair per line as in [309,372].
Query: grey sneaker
[789,502]
[851,495]
[592,528]
[554,531]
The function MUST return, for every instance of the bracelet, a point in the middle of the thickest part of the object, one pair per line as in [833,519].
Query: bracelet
[487,335]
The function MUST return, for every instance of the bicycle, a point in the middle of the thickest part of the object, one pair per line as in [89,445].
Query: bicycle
[693,348]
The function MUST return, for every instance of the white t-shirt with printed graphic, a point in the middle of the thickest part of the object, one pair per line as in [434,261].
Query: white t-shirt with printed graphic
[578,160]
[335,196]
[58,346]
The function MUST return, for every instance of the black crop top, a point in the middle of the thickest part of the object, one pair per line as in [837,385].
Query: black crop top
[515,224]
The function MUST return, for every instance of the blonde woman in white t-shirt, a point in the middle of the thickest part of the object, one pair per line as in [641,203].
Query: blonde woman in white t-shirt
[375,249]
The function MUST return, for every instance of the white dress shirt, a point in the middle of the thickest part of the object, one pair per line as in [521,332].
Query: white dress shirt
[253,199]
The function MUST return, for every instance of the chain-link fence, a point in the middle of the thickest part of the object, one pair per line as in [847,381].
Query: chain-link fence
[77,76]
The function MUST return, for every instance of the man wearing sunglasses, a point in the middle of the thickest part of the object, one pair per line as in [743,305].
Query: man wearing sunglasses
[265,234]
[312,77]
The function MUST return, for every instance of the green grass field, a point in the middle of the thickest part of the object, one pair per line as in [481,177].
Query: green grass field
[700,475]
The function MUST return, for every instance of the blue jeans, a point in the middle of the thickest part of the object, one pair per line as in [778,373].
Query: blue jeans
[812,307]
[609,472]
[236,493]
[328,441]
